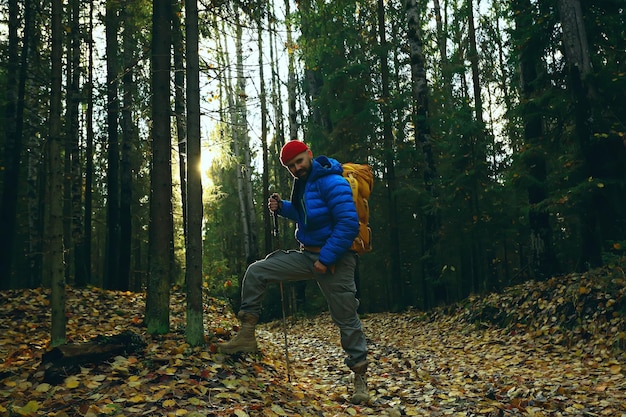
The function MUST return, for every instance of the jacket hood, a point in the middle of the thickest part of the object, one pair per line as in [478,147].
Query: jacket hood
[323,165]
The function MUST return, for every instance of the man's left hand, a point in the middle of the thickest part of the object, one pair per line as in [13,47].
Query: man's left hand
[320,267]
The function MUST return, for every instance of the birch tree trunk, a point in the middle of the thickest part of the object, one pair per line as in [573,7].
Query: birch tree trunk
[292,117]
[276,91]
[275,87]
[234,105]
[473,58]
[194,331]
[157,294]
[242,153]
[253,240]
[54,226]
[267,224]
[291,76]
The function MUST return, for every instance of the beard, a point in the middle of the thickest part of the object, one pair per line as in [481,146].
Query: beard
[304,172]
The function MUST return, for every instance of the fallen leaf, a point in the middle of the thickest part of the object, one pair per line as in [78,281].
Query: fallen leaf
[29,409]
[169,403]
[278,410]
[43,387]
[72,382]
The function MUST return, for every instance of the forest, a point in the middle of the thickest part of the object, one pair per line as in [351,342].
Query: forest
[140,140]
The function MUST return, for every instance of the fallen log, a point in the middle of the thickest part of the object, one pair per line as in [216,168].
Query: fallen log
[67,359]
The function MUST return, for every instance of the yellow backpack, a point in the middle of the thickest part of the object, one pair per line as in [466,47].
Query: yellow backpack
[361,180]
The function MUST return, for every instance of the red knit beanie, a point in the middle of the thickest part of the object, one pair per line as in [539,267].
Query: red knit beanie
[291,149]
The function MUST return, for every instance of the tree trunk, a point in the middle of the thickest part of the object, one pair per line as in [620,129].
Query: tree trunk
[233,105]
[291,76]
[242,153]
[73,178]
[157,294]
[276,179]
[280,179]
[112,258]
[575,36]
[194,333]
[13,148]
[423,139]
[83,267]
[73,169]
[473,58]
[179,106]
[129,137]
[54,228]
[578,61]
[542,258]
[35,188]
[267,223]
[479,160]
[441,45]
[389,172]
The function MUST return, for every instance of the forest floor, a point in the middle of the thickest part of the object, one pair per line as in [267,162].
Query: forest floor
[550,348]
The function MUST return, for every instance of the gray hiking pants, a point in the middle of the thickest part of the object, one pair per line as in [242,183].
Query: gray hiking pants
[338,288]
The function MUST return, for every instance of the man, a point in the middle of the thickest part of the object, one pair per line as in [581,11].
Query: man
[321,204]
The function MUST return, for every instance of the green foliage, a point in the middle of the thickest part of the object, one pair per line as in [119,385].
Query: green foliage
[335,45]
[219,280]
[463,228]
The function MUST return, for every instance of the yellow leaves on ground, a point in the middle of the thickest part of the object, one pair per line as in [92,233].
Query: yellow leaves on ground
[169,403]
[277,409]
[28,410]
[43,387]
[540,349]
[72,382]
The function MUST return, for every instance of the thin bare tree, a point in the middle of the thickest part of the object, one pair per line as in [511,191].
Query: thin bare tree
[111,262]
[54,221]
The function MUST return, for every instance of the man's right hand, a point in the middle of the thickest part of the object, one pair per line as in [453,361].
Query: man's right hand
[274,203]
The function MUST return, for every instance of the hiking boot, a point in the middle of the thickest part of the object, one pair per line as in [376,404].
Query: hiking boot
[361,394]
[245,340]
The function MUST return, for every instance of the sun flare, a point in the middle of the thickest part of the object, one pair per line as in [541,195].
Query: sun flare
[209,154]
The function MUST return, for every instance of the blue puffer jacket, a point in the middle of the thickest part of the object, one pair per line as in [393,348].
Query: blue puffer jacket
[324,211]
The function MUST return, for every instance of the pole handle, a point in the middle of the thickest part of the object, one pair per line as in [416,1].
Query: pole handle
[275,218]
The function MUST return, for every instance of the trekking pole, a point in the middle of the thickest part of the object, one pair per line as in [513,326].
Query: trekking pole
[282,294]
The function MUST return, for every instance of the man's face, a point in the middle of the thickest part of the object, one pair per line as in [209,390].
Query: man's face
[300,165]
